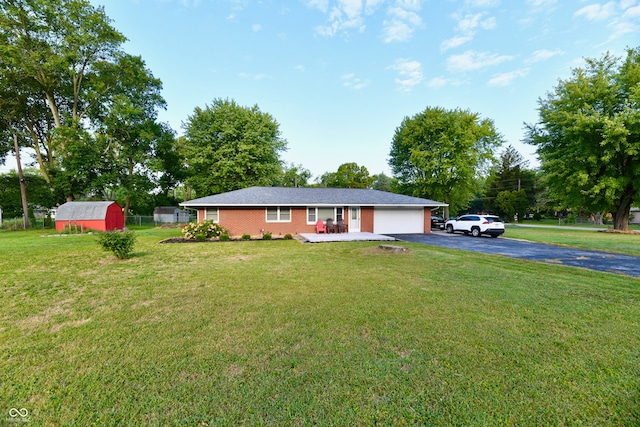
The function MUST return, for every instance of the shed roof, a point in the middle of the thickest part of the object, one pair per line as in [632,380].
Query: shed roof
[310,196]
[83,210]
[165,210]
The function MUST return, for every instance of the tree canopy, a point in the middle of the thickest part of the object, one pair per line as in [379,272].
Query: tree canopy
[588,136]
[510,186]
[438,153]
[348,175]
[85,108]
[231,147]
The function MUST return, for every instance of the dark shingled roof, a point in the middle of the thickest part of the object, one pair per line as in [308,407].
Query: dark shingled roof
[309,196]
[165,210]
[82,210]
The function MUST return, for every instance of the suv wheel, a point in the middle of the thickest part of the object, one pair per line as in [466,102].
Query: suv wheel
[449,228]
[475,232]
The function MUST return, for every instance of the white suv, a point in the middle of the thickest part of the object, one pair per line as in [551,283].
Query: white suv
[476,225]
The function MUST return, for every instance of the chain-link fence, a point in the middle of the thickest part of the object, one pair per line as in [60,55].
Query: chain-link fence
[18,223]
[44,223]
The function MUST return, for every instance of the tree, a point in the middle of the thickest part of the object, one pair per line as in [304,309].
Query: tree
[510,175]
[129,125]
[295,176]
[438,153]
[231,147]
[64,61]
[169,163]
[588,136]
[382,182]
[348,175]
[512,202]
[40,195]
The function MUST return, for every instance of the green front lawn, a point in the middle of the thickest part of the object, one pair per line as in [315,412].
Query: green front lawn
[284,333]
[594,240]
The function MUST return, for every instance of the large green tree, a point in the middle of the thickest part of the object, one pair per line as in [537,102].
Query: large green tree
[438,153]
[88,109]
[510,175]
[294,176]
[588,136]
[61,52]
[348,175]
[231,147]
[40,195]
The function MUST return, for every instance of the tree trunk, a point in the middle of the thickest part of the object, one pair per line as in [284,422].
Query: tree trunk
[598,218]
[621,215]
[23,188]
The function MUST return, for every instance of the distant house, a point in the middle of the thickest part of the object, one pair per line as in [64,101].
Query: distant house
[169,214]
[288,210]
[634,216]
[99,216]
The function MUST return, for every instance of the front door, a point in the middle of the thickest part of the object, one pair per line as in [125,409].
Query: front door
[354,220]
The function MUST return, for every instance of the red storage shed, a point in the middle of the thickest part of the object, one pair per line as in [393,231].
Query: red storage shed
[100,216]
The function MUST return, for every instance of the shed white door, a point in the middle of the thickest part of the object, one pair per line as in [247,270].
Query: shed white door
[398,221]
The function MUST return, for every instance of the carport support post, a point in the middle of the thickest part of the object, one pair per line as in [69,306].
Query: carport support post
[446,213]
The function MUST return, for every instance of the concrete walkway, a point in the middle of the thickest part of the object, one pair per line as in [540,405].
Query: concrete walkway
[344,237]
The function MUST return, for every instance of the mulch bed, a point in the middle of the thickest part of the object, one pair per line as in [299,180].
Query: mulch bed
[611,230]
[184,240]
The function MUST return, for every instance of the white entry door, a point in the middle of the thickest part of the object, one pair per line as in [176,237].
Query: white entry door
[354,220]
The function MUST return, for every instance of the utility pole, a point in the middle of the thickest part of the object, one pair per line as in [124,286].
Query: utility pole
[23,188]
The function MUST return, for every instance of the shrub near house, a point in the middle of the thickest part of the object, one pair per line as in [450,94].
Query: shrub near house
[202,231]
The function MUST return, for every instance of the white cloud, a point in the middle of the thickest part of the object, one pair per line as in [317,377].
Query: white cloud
[544,55]
[256,28]
[321,5]
[541,3]
[468,25]
[505,79]
[402,20]
[482,3]
[454,42]
[410,74]
[437,82]
[597,12]
[625,4]
[632,13]
[471,61]
[190,3]
[352,82]
[344,16]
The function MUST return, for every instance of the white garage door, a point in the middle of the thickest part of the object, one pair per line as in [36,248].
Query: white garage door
[397,221]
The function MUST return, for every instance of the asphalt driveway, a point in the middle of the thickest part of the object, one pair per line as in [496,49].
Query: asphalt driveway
[600,261]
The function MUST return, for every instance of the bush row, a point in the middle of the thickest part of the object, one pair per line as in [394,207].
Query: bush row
[202,231]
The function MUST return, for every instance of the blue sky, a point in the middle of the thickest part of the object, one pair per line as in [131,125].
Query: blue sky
[340,76]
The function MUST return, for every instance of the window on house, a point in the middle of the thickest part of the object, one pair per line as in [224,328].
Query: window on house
[314,214]
[211,214]
[278,214]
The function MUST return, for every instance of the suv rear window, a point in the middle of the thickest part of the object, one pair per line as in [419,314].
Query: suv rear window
[494,219]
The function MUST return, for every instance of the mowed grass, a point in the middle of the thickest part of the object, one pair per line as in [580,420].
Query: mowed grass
[284,333]
[594,240]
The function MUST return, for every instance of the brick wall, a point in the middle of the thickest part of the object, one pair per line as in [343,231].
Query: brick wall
[427,220]
[253,221]
[366,220]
